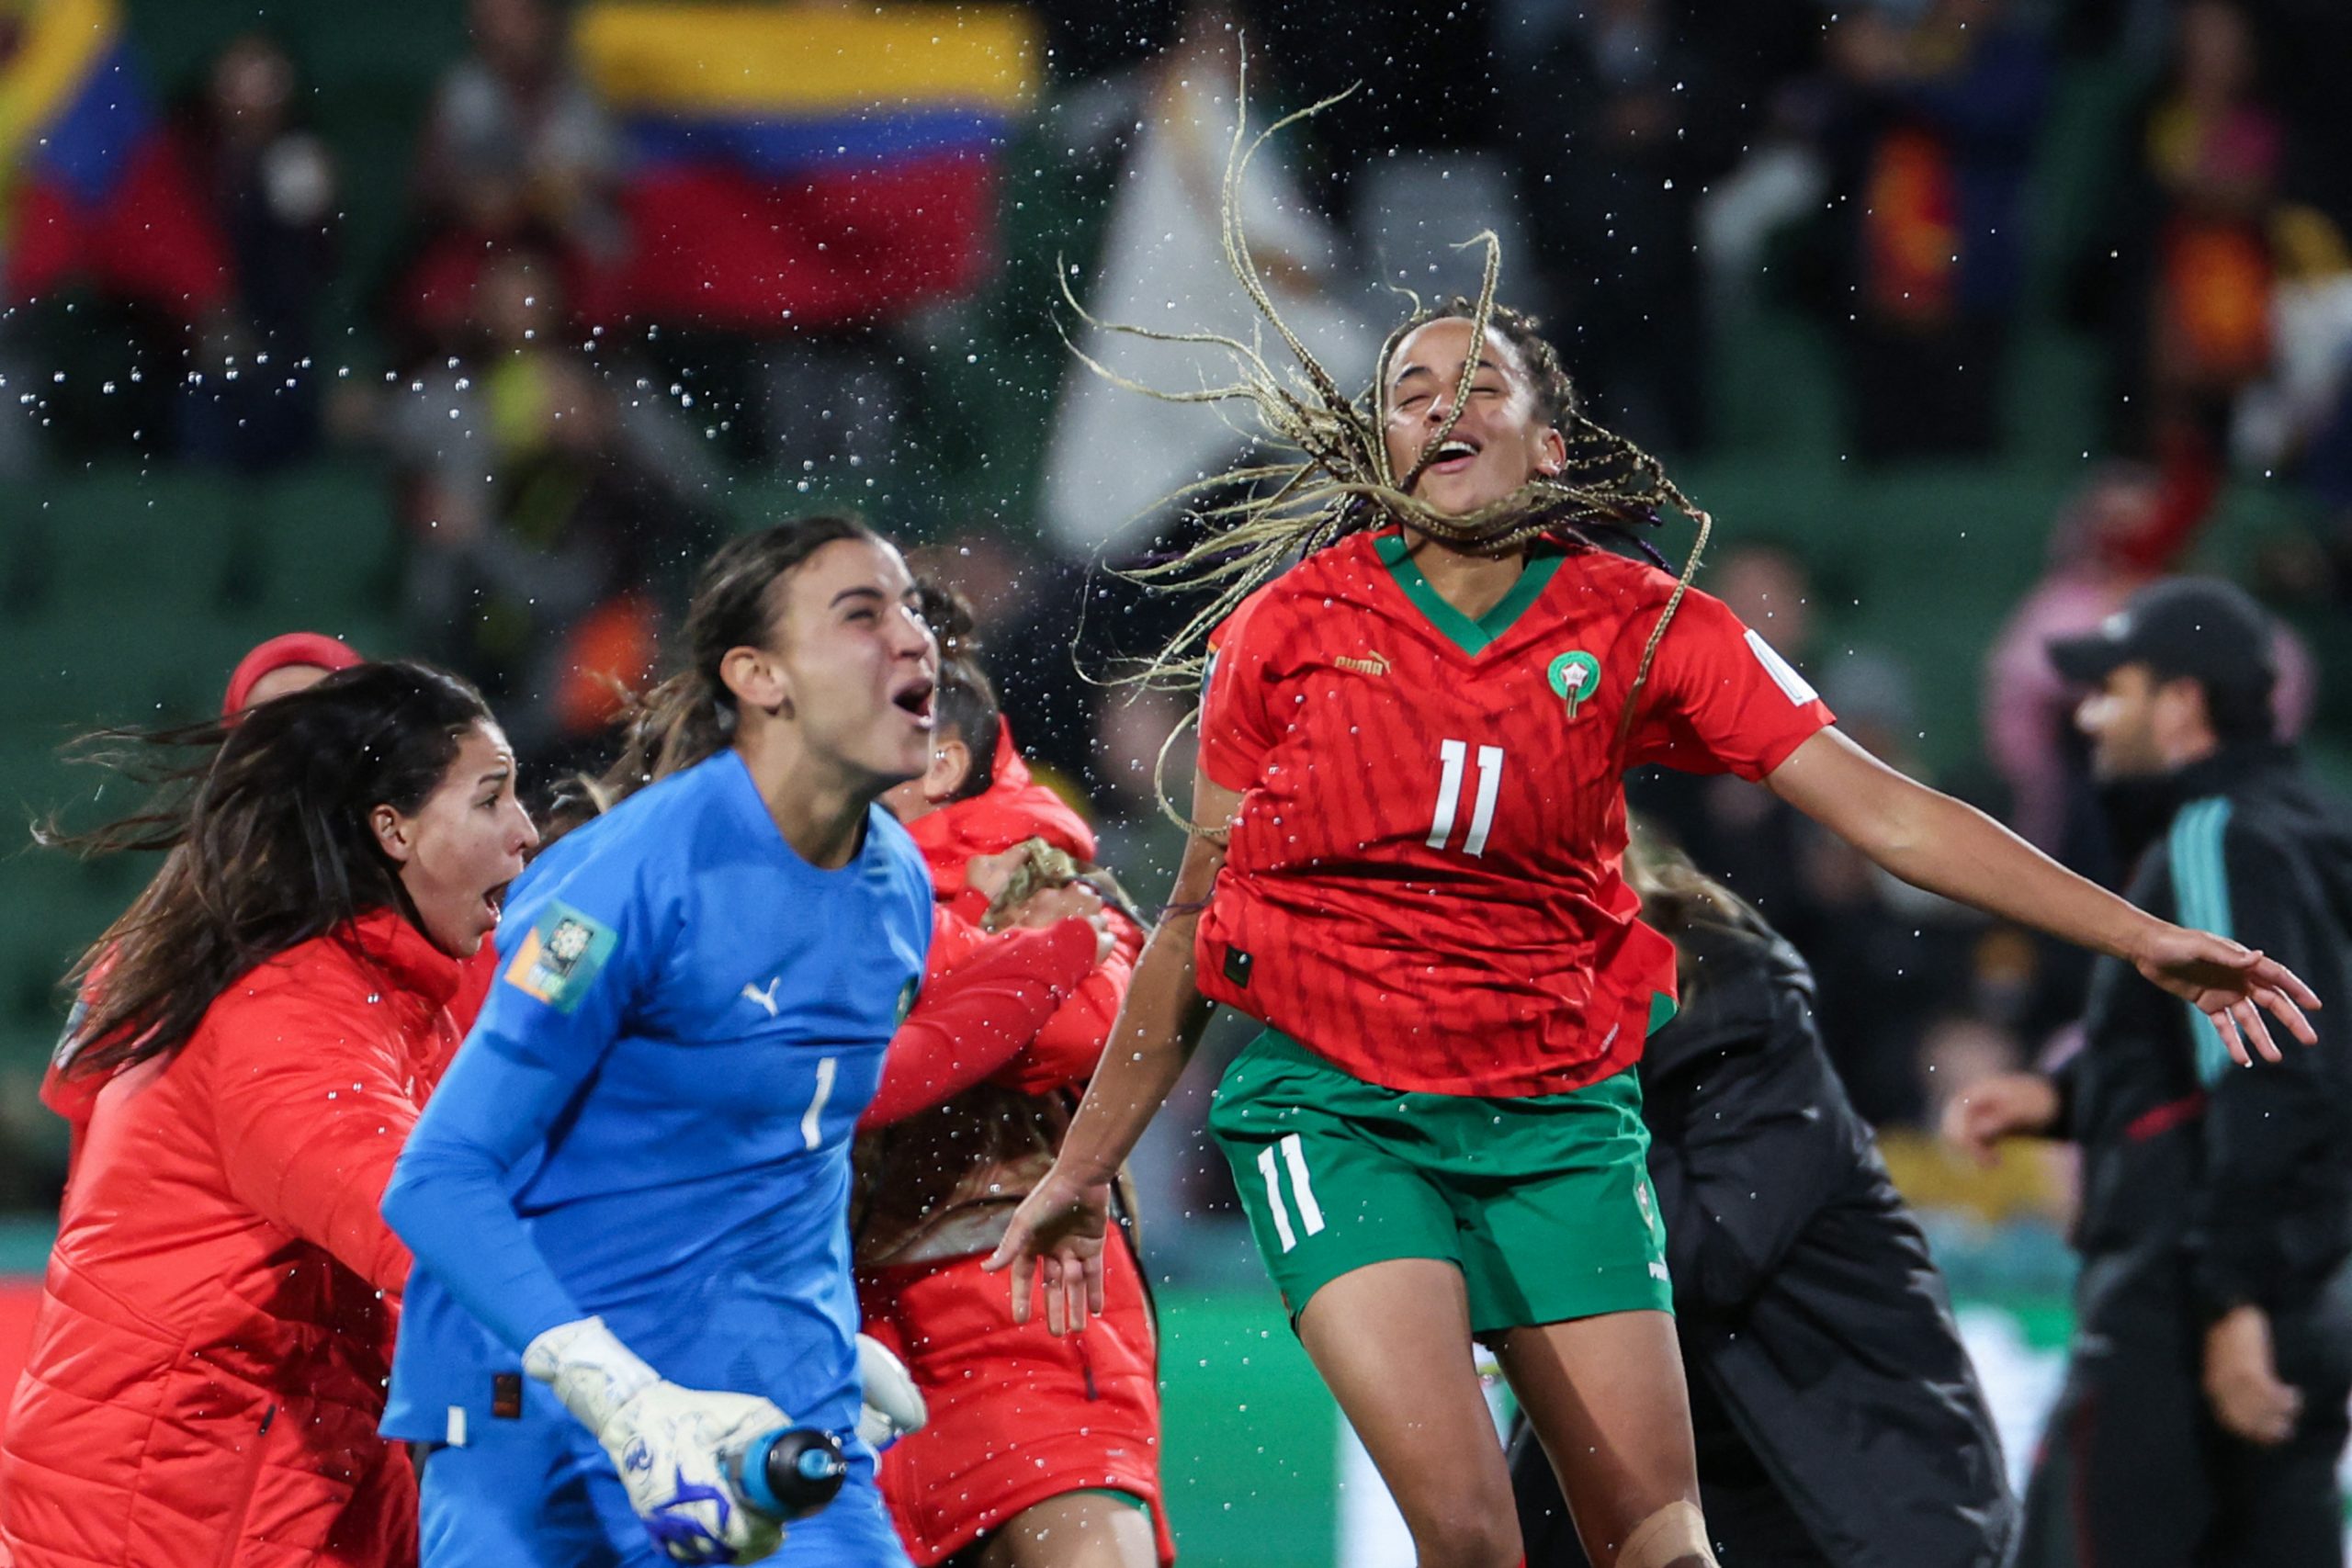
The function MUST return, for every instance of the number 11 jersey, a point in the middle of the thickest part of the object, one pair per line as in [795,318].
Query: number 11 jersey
[1424,882]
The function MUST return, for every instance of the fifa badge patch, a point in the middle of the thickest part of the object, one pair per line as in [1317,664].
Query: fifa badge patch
[561,956]
[1574,676]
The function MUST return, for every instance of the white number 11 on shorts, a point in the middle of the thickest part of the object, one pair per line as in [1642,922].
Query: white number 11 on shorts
[1311,1212]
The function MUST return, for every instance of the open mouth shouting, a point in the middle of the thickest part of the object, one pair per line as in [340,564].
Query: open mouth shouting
[913,697]
[1454,456]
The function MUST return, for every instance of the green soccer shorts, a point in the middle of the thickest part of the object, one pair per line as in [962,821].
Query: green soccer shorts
[1544,1201]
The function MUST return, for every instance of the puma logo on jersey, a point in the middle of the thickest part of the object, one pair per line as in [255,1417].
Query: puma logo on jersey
[765,998]
[1375,665]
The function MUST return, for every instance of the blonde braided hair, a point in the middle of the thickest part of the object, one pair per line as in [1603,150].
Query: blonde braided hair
[1340,481]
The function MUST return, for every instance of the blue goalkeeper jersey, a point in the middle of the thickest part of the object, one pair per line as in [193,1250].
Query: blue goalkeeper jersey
[651,1121]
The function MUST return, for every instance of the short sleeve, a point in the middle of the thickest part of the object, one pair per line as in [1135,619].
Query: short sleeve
[1720,699]
[1237,731]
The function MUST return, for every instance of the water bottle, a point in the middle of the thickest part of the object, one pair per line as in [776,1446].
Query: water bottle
[788,1473]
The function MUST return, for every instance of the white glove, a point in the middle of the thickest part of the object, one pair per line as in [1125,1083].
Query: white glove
[668,1443]
[893,1406]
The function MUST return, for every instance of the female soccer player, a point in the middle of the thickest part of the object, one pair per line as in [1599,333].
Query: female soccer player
[209,1361]
[1040,1452]
[635,1177]
[1411,819]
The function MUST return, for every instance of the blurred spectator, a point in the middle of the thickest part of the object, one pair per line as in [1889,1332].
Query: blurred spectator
[518,151]
[2181,271]
[273,194]
[2126,526]
[2131,524]
[1934,127]
[1620,115]
[548,537]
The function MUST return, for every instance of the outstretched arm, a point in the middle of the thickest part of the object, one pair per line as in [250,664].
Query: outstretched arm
[1933,841]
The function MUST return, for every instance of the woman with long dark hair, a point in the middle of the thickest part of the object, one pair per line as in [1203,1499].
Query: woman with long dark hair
[630,1198]
[1408,825]
[216,1327]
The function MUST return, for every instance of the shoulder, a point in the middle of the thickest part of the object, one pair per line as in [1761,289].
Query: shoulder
[323,980]
[1344,570]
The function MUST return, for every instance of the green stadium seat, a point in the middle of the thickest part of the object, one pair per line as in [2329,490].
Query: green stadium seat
[122,541]
[327,549]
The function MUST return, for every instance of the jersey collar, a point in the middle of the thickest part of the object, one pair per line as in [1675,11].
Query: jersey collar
[1473,636]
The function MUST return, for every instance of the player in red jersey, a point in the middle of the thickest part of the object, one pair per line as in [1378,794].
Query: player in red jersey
[1407,865]
[1041,1452]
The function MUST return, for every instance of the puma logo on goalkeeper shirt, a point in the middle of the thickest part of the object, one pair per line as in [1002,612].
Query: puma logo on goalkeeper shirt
[1374,665]
[765,998]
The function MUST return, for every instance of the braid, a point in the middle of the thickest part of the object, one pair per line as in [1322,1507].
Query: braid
[1338,480]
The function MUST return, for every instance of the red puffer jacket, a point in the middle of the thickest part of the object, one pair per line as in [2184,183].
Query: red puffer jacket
[209,1362]
[1012,808]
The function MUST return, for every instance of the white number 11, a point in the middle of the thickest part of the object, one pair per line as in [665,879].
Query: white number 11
[1451,754]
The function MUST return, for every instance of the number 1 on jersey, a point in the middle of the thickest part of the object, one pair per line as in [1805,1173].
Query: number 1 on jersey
[1451,756]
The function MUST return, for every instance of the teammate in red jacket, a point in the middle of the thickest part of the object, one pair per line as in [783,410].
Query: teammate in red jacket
[209,1361]
[289,662]
[1041,1450]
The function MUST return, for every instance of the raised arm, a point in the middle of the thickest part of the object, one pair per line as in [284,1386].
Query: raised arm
[1933,841]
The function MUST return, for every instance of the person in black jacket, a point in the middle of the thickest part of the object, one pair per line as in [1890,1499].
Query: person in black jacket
[2204,1410]
[1837,1419]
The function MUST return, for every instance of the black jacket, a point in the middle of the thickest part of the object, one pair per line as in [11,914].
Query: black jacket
[2205,1184]
[1805,1299]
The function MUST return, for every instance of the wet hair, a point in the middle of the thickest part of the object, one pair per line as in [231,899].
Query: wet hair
[738,596]
[264,827]
[965,703]
[1338,479]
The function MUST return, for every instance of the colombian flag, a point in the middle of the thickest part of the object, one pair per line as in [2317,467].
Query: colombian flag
[98,189]
[807,165]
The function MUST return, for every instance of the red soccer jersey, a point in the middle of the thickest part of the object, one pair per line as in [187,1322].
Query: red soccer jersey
[1424,884]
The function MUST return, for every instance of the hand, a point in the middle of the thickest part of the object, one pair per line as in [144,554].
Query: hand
[2230,984]
[668,1444]
[892,1406]
[1059,1230]
[2242,1379]
[989,875]
[1070,901]
[1996,1108]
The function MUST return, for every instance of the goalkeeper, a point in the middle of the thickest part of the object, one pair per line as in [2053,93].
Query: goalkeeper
[634,1175]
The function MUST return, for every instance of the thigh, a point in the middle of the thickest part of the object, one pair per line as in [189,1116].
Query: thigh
[1076,1529]
[1392,1341]
[1606,1397]
[1327,1184]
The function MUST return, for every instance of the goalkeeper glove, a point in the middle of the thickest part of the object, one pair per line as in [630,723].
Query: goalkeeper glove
[670,1444]
[893,1406]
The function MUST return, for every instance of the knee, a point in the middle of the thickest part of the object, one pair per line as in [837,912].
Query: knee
[1458,1537]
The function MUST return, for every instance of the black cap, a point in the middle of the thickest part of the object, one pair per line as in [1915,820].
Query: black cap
[2206,630]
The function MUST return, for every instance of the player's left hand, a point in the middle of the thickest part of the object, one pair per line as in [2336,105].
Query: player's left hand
[893,1405]
[2242,1380]
[1058,1231]
[2232,985]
